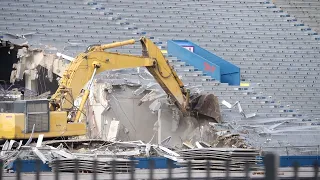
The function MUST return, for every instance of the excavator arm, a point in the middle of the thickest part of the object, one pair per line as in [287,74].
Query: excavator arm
[95,60]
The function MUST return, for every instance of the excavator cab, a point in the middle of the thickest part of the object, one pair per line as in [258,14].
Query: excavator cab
[22,119]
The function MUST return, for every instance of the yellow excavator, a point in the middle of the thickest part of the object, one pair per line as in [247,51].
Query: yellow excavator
[58,117]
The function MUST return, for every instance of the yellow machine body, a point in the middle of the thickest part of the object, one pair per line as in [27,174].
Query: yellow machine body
[12,126]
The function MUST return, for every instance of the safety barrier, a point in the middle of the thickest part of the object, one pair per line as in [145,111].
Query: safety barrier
[303,155]
[271,172]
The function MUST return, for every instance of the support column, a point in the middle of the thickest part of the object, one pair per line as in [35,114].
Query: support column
[31,81]
[159,126]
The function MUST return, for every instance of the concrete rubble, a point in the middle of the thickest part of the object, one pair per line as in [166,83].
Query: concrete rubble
[123,106]
[126,105]
[34,65]
[88,150]
[241,111]
[107,107]
[29,59]
[110,120]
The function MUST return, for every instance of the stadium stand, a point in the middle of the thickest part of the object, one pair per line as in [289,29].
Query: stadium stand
[278,55]
[305,10]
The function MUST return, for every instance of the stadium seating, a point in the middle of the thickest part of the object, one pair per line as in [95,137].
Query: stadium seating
[277,53]
[305,10]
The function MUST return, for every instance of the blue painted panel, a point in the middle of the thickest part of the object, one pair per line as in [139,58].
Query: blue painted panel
[287,161]
[229,72]
[226,67]
[159,162]
[193,59]
[205,61]
[232,78]
[183,42]
[29,166]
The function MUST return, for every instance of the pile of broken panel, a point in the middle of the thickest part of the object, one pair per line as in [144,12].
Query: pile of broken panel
[218,158]
[87,165]
[12,150]
[62,154]
[64,160]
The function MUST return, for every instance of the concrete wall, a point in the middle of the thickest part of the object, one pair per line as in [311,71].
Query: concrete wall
[28,68]
[139,121]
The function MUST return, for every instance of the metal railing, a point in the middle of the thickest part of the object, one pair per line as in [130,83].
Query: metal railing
[270,171]
[295,150]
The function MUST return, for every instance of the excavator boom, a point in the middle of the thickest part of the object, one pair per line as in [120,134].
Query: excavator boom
[61,117]
[96,60]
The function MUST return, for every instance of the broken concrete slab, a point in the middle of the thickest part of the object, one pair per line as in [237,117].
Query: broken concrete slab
[241,111]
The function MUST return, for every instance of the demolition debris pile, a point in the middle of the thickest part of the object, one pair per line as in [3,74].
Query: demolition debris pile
[86,151]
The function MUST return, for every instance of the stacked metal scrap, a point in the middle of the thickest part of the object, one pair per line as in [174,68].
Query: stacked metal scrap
[218,157]
[46,154]
[107,152]
[89,150]
[11,150]
[74,144]
[87,165]
[86,152]
[50,155]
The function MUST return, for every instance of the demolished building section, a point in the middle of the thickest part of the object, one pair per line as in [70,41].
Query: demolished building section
[113,105]
[239,124]
[27,68]
[32,72]
[119,100]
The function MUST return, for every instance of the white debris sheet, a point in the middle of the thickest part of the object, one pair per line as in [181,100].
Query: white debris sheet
[241,111]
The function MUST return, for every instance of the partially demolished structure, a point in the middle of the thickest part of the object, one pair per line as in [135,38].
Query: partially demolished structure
[30,60]
[273,113]
[110,93]
[116,97]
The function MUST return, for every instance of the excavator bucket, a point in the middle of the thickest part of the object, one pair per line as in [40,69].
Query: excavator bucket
[207,105]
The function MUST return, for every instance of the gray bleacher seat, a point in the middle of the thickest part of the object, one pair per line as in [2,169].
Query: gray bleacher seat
[277,56]
[306,11]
